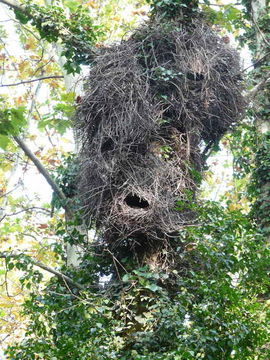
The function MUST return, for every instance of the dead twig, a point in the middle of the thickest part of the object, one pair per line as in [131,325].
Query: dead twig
[33,80]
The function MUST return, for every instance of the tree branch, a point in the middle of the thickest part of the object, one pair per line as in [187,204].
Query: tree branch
[12,4]
[39,209]
[255,63]
[219,5]
[45,173]
[9,192]
[38,79]
[260,86]
[58,274]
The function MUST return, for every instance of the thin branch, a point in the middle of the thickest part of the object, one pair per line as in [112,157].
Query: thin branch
[254,20]
[260,86]
[10,191]
[57,273]
[60,275]
[258,61]
[12,4]
[34,99]
[45,173]
[219,5]
[29,209]
[33,80]
[41,67]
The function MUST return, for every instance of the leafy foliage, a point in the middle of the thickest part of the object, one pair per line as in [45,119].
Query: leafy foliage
[259,186]
[60,116]
[12,121]
[76,32]
[172,8]
[207,308]
[66,179]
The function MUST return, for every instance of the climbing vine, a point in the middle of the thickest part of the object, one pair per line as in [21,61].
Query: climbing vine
[171,8]
[194,312]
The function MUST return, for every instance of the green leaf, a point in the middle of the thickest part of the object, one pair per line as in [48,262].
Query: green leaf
[4,141]
[12,121]
[152,287]
[126,278]
[21,16]
[71,4]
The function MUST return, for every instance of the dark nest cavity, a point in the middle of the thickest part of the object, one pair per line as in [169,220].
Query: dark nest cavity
[152,105]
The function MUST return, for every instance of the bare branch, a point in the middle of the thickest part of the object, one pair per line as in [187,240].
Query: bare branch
[60,275]
[45,173]
[12,4]
[33,80]
[39,209]
[10,191]
[57,273]
[260,86]
[255,63]
[218,5]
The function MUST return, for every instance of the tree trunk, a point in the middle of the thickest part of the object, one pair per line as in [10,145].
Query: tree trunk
[261,57]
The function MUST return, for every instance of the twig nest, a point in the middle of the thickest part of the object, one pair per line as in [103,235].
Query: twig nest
[151,105]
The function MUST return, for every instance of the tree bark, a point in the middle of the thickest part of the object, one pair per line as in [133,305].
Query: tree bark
[12,4]
[260,102]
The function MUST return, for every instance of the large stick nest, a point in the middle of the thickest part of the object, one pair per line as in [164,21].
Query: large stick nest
[152,104]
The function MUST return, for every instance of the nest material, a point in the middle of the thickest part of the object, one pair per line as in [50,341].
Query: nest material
[151,104]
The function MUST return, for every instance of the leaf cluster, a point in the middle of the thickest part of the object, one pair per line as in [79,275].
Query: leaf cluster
[259,187]
[59,117]
[76,32]
[65,177]
[205,308]
[169,9]
[12,121]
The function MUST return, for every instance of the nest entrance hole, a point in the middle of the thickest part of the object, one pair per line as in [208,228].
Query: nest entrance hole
[137,202]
